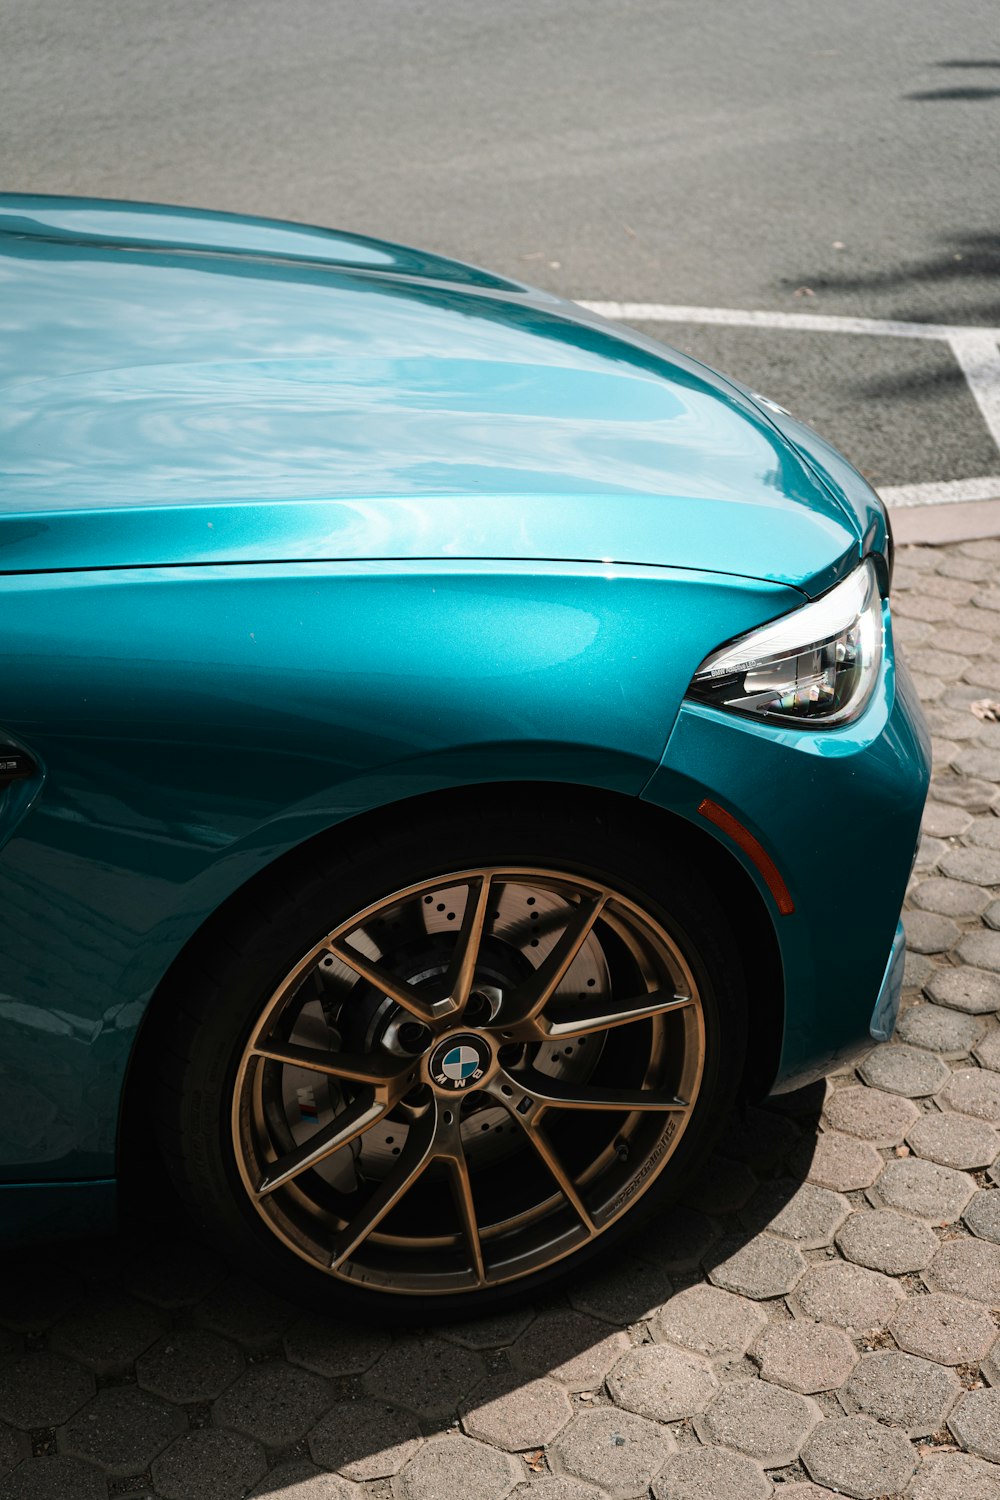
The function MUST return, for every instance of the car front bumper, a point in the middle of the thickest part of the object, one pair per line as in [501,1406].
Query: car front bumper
[838,812]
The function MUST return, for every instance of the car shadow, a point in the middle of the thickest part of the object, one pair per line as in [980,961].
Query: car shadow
[154,1307]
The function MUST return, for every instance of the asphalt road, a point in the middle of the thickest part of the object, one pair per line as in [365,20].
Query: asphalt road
[781,154]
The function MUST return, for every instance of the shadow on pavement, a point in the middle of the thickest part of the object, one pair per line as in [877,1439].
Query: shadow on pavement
[131,1353]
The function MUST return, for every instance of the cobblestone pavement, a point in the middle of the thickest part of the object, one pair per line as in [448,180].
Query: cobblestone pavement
[820,1318]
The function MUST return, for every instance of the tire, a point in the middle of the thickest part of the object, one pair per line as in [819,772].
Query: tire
[531,1144]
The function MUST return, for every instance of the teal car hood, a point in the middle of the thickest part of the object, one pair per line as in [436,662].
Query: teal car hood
[178,386]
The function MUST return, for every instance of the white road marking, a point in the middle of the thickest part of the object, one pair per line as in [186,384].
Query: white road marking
[658,312]
[950,492]
[976,351]
[979,356]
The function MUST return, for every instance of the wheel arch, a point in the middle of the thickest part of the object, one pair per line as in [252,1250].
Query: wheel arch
[752,924]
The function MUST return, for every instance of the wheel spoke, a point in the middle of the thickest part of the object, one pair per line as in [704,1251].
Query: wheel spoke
[556,1093]
[462,969]
[563,1180]
[531,998]
[657,1003]
[376,1070]
[419,1151]
[344,1128]
[390,984]
[461,1186]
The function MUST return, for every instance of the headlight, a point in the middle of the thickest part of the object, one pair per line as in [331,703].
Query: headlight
[816,665]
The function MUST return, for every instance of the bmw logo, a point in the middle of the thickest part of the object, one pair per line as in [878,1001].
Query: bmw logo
[460,1062]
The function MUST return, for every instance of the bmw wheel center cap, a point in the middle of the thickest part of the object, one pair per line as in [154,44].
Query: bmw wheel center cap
[460,1062]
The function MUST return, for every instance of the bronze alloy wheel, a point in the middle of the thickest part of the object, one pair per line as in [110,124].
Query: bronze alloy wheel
[468,1080]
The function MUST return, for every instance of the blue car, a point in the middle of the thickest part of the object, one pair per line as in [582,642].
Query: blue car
[451,747]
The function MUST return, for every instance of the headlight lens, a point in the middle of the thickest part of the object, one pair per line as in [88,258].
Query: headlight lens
[816,665]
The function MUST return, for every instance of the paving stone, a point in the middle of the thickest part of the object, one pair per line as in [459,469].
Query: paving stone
[174,1274]
[978,761]
[848,1296]
[808,1216]
[122,1429]
[678,1238]
[944,822]
[614,1449]
[967,1268]
[13,1447]
[886,1241]
[904,1070]
[955,1141]
[985,832]
[987,1052]
[917,969]
[985,550]
[955,1476]
[711,1474]
[576,1350]
[950,898]
[709,1321]
[926,607]
[496,1332]
[274,1402]
[364,1439]
[54,1476]
[189,1364]
[971,990]
[858,1456]
[927,931]
[871,1113]
[241,1310]
[939,1029]
[956,566]
[208,1464]
[974,1091]
[981,950]
[982,673]
[42,1390]
[107,1333]
[990,1365]
[759,1420]
[764,1266]
[723,1186]
[662,1383]
[929,851]
[925,1189]
[457,1468]
[912,1393]
[977,866]
[804,1489]
[949,1330]
[330,1347]
[558,1487]
[991,916]
[513,1413]
[965,791]
[840,1162]
[426,1375]
[625,1291]
[299,1480]
[976,1423]
[760,1137]
[805,1357]
[983,1215]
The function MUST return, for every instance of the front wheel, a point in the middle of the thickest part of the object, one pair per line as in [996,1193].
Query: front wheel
[442,1069]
